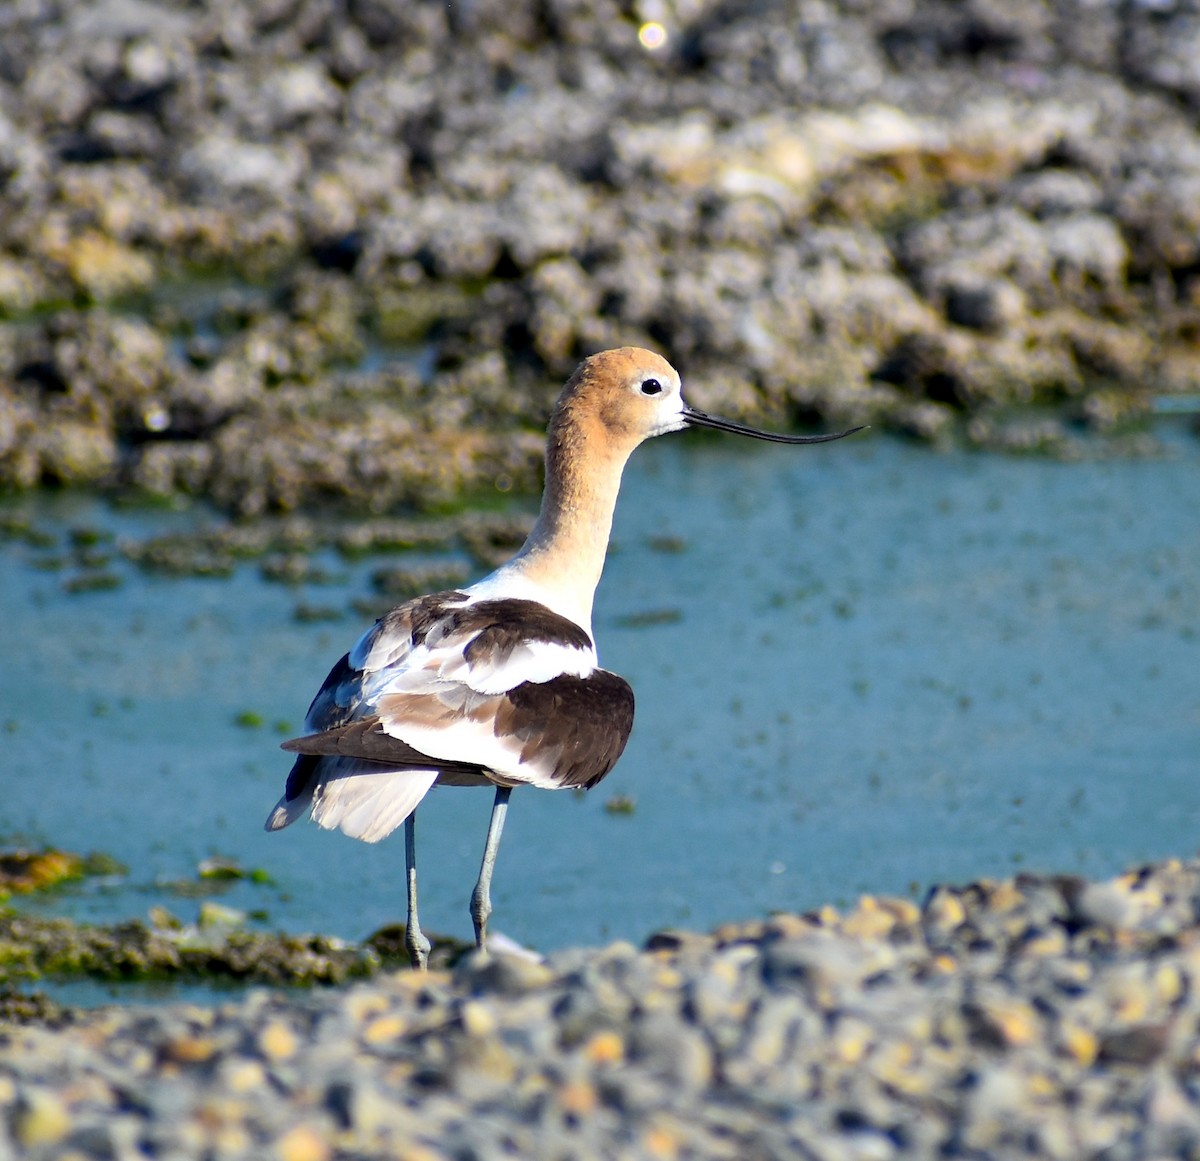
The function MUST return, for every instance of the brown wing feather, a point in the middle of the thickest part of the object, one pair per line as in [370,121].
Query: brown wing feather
[365,738]
[570,730]
[584,721]
[502,626]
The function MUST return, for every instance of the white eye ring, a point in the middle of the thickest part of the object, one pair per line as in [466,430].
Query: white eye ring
[651,387]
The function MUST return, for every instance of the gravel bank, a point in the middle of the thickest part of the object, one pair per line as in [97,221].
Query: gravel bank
[1037,1017]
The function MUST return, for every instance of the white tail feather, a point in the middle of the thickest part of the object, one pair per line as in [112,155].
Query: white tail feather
[363,799]
[368,806]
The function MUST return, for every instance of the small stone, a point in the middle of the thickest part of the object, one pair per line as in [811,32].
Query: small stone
[851,1040]
[1105,904]
[1128,997]
[1046,944]
[943,912]
[190,1049]
[673,940]
[216,915]
[672,1051]
[230,1140]
[477,1019]
[826,916]
[360,1105]
[578,1098]
[484,1068]
[104,268]
[41,1118]
[605,1048]
[502,974]
[1167,1104]
[824,963]
[303,1143]
[996,1100]
[984,304]
[904,911]
[1004,1021]
[163,920]
[1005,897]
[660,1143]
[1080,1044]
[1168,983]
[895,1064]
[868,920]
[715,994]
[744,931]
[769,1029]
[384,1029]
[420,1153]
[244,1076]
[277,1041]
[1139,1045]
[362,1003]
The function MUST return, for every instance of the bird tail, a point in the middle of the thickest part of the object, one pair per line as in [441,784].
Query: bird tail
[366,800]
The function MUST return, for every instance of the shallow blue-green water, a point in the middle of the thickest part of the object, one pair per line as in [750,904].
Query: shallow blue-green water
[866,667]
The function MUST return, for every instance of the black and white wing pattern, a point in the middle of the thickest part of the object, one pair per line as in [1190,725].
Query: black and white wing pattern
[460,689]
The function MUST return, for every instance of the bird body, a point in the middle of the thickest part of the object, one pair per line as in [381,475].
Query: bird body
[461,688]
[498,683]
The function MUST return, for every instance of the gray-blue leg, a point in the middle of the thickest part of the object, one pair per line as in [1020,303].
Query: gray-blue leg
[481,897]
[414,938]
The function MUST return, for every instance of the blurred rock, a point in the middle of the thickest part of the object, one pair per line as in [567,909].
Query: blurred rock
[1040,1016]
[783,206]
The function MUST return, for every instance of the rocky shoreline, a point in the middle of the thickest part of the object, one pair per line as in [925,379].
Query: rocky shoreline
[278,254]
[287,255]
[1042,1017]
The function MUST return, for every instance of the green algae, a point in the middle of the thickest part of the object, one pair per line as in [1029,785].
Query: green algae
[217,948]
[35,948]
[25,872]
[92,582]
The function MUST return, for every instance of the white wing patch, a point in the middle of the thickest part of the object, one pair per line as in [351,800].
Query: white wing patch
[535,661]
[391,663]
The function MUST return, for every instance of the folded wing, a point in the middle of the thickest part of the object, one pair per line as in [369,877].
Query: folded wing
[452,689]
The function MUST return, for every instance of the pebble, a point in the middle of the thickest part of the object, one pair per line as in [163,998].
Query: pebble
[1039,1017]
[39,1118]
[277,1041]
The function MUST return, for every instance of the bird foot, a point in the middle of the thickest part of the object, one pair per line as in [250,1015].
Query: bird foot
[418,946]
[481,910]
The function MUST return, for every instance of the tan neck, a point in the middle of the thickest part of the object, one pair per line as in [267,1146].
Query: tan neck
[564,554]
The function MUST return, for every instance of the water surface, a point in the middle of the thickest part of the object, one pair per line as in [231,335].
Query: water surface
[865,667]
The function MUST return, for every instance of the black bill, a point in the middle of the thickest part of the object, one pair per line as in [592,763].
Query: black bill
[694,418]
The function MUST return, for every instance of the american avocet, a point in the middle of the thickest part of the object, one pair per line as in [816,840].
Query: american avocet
[497,684]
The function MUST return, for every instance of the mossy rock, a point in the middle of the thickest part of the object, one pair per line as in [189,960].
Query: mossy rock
[24,872]
[33,947]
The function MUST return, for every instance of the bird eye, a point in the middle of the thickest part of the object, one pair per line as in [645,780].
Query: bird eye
[651,387]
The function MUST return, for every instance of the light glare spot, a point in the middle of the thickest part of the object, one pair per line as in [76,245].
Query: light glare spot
[652,36]
[156,417]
